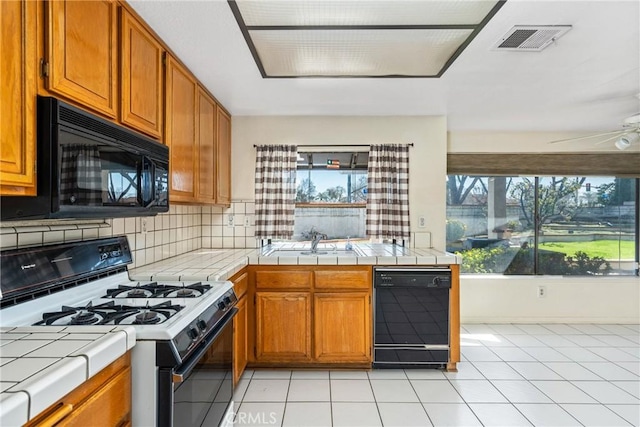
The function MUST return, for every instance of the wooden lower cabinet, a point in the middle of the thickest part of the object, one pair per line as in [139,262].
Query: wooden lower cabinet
[342,327]
[104,400]
[312,315]
[283,326]
[240,339]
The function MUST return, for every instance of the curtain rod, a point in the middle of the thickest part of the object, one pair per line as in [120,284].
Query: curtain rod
[337,145]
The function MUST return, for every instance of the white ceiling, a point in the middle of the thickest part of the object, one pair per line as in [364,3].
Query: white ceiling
[588,80]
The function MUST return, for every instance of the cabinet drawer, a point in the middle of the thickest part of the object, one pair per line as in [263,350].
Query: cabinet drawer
[343,279]
[283,279]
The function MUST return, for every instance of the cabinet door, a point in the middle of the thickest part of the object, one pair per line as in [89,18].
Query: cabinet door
[108,406]
[82,46]
[206,147]
[283,326]
[141,97]
[223,153]
[180,134]
[342,327]
[17,97]
[240,340]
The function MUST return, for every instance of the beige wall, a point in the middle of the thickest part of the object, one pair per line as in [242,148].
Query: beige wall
[508,299]
[427,166]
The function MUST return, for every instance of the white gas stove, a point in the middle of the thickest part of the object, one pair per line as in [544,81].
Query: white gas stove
[178,325]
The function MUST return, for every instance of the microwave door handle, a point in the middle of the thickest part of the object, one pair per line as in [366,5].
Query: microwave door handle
[140,171]
[152,167]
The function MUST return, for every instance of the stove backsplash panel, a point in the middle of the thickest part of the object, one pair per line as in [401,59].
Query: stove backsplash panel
[182,229]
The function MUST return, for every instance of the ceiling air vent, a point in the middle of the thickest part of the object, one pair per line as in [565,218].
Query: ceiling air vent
[531,38]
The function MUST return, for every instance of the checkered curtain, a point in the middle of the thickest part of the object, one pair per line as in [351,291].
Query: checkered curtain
[80,176]
[276,167]
[388,192]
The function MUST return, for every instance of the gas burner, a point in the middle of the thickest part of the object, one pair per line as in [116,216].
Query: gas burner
[156,290]
[149,314]
[84,318]
[184,293]
[137,293]
[126,291]
[146,318]
[194,290]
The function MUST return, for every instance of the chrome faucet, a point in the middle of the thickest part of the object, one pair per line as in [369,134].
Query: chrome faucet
[315,239]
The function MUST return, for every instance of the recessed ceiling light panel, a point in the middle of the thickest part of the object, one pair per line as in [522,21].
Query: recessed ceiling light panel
[347,53]
[361,38]
[363,12]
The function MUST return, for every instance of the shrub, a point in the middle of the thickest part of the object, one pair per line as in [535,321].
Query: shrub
[582,264]
[520,261]
[455,230]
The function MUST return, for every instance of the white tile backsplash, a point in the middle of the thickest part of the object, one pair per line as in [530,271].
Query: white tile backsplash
[182,229]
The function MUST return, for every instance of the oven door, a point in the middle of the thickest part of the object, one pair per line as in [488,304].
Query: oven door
[199,391]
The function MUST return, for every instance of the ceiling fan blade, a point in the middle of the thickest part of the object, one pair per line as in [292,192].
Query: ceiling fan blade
[580,138]
[613,138]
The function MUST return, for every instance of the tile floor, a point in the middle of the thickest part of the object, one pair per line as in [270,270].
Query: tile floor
[510,375]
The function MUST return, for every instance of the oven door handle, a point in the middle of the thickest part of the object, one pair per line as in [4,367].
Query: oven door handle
[185,369]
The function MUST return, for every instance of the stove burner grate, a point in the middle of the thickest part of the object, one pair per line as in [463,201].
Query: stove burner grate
[158,290]
[111,314]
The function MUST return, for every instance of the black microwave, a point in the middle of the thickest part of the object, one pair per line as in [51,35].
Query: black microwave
[88,167]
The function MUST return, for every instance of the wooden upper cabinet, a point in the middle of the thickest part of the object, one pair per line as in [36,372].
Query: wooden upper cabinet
[180,131]
[83,52]
[18,97]
[206,147]
[223,153]
[141,100]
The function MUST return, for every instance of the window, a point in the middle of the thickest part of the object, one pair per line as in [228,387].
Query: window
[543,225]
[331,191]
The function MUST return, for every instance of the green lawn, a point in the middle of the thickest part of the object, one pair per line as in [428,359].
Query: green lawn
[607,249]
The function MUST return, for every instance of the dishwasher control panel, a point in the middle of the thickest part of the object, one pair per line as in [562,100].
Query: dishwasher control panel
[412,277]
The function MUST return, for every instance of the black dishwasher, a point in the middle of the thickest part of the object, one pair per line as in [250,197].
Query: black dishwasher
[411,323]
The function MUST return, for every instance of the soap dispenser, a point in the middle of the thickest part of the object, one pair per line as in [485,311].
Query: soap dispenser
[348,246]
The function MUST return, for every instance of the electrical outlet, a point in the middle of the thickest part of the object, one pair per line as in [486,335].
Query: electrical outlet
[231,220]
[542,292]
[143,225]
[247,221]
[422,222]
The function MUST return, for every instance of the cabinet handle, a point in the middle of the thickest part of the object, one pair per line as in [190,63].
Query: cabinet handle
[57,416]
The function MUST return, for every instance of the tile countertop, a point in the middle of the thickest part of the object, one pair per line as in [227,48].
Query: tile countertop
[41,364]
[220,264]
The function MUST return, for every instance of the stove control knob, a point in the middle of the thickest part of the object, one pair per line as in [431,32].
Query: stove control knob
[202,325]
[227,300]
[193,333]
[222,305]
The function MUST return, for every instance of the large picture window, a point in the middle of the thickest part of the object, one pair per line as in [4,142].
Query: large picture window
[331,194]
[525,225]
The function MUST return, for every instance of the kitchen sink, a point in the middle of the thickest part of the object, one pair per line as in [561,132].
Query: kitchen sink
[307,252]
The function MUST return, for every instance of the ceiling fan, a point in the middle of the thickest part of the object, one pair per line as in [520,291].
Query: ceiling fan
[624,138]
